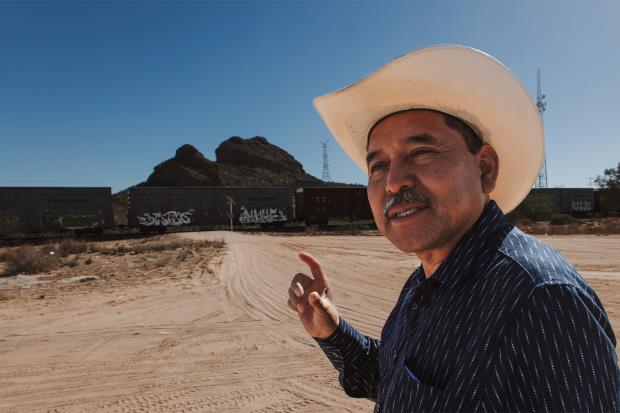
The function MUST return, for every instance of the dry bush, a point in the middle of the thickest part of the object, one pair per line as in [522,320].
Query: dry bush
[28,260]
[562,219]
[184,254]
[72,262]
[163,262]
[70,246]
[524,222]
[560,226]
[156,246]
[611,227]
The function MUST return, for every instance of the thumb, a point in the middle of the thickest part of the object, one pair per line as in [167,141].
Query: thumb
[318,302]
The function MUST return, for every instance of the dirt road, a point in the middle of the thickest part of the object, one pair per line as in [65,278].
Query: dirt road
[220,337]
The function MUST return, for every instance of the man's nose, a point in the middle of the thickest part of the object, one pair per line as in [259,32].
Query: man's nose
[399,178]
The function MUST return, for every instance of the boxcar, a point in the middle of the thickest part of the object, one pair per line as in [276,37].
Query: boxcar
[321,204]
[159,207]
[43,209]
[607,201]
[570,200]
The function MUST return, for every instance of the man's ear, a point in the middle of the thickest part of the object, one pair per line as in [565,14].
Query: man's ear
[488,162]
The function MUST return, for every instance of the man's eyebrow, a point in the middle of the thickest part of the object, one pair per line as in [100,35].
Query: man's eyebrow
[421,138]
[370,156]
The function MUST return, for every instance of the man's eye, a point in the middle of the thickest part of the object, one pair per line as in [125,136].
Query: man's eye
[377,167]
[419,152]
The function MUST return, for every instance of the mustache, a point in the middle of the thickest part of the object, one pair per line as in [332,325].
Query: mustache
[403,197]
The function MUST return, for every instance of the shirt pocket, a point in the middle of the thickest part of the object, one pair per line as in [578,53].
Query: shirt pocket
[415,379]
[414,395]
[411,375]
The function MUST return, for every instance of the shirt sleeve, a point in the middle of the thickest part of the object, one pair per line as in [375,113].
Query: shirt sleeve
[557,355]
[355,358]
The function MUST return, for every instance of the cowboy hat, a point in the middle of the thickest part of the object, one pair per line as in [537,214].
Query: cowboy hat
[456,80]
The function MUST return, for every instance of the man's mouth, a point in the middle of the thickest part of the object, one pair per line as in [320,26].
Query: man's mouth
[403,211]
[404,204]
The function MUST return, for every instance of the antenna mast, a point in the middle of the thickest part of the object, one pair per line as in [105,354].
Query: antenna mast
[541,104]
[325,176]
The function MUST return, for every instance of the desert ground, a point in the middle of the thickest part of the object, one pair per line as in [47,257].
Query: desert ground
[207,329]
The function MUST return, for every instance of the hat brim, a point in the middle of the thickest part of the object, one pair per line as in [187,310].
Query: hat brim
[457,80]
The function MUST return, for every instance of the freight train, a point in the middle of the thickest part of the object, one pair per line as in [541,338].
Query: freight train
[54,209]
[160,207]
[51,209]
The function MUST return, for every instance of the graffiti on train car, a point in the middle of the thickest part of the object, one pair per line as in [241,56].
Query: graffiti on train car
[581,206]
[169,218]
[51,219]
[261,216]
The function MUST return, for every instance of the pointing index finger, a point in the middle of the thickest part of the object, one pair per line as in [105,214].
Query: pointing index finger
[315,267]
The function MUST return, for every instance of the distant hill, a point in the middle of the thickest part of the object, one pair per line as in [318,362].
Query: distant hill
[252,162]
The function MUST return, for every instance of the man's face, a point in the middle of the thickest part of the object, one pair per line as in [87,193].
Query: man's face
[425,188]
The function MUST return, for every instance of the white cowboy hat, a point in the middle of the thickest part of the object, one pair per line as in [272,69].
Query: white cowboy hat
[457,80]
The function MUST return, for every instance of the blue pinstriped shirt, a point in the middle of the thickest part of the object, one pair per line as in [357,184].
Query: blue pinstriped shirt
[504,324]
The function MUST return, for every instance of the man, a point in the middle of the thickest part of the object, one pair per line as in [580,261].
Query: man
[492,320]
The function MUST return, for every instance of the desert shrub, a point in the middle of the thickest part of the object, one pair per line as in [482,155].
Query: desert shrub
[70,246]
[156,246]
[524,222]
[611,226]
[185,254]
[72,262]
[28,260]
[562,219]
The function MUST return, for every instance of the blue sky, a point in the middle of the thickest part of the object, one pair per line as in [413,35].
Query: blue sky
[98,93]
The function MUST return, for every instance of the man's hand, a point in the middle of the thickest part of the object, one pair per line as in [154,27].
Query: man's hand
[311,298]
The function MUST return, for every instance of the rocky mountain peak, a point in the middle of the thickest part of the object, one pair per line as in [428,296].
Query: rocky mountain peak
[239,162]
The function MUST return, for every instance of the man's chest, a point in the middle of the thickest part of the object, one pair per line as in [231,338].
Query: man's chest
[436,345]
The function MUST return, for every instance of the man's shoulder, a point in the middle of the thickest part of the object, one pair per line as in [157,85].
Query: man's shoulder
[540,262]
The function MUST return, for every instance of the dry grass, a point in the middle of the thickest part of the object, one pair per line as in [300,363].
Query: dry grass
[561,225]
[70,246]
[28,260]
[32,260]
[155,246]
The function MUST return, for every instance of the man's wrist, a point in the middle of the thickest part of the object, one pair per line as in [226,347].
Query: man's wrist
[329,336]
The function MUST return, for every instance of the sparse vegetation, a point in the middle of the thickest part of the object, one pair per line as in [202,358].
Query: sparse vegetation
[155,246]
[562,219]
[561,226]
[67,247]
[28,260]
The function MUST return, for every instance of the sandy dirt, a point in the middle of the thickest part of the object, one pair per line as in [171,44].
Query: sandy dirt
[210,332]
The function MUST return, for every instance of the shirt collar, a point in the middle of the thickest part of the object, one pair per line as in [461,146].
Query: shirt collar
[490,225]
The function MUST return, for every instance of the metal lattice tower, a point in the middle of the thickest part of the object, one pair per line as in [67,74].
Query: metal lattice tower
[325,176]
[541,104]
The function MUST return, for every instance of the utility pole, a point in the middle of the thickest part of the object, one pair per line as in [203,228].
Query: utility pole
[541,104]
[230,203]
[325,175]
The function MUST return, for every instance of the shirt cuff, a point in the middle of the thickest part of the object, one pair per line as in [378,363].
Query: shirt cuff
[346,343]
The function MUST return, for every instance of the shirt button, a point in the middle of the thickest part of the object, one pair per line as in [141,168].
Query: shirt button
[414,306]
[394,354]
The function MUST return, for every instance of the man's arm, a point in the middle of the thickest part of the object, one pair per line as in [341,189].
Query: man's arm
[557,355]
[355,357]
[352,354]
